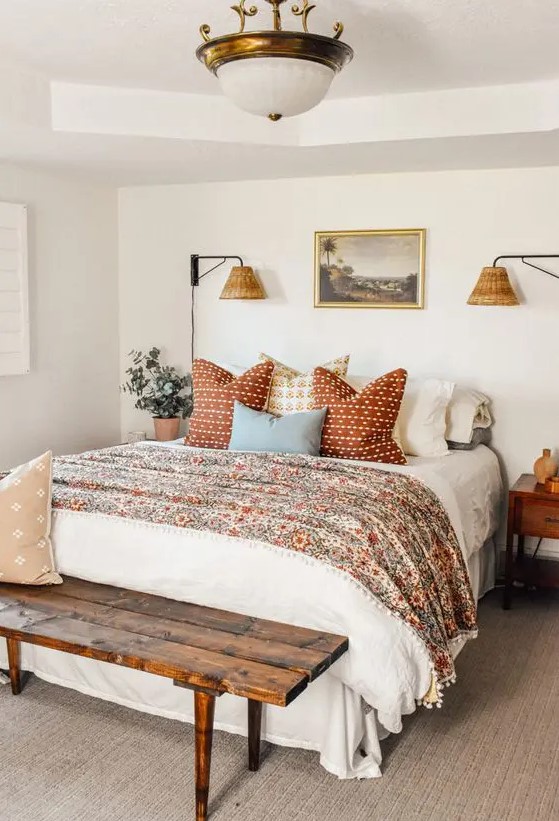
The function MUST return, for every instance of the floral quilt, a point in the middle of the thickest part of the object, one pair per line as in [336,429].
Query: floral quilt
[387,531]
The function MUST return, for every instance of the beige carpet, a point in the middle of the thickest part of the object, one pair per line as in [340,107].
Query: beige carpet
[492,753]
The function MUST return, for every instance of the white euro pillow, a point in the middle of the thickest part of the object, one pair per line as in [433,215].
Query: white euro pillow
[422,419]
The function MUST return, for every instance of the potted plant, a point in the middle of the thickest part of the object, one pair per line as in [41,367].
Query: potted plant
[161,391]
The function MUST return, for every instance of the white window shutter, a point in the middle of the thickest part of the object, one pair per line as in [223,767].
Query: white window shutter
[14,299]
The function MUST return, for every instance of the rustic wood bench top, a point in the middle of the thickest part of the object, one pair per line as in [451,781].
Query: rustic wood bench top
[207,650]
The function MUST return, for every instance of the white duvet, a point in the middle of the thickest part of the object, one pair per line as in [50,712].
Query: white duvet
[387,667]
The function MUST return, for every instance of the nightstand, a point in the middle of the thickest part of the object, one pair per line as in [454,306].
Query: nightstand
[532,512]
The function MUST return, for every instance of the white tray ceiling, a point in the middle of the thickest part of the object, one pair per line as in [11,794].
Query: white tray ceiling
[430,77]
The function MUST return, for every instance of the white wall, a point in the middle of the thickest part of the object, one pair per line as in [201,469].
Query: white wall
[70,400]
[471,217]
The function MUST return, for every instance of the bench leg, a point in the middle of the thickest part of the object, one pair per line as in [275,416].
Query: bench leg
[254,733]
[14,665]
[204,709]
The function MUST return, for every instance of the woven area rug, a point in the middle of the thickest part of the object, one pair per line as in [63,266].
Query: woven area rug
[491,754]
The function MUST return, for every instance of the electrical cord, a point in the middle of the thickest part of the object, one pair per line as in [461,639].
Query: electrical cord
[192,301]
[192,317]
[193,310]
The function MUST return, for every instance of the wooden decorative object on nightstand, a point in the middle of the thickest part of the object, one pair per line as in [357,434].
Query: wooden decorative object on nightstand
[533,511]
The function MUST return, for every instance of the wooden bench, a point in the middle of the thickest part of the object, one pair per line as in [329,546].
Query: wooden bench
[209,651]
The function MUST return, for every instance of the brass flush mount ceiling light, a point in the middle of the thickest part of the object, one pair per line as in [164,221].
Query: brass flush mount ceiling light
[275,73]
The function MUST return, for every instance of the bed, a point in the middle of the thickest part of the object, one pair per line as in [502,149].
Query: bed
[365,695]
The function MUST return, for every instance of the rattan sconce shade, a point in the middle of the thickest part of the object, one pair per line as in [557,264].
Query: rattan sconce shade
[493,288]
[242,284]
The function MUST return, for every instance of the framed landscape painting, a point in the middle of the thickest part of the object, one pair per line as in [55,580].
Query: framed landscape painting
[370,269]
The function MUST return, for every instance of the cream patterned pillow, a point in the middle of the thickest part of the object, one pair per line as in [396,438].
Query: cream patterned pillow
[25,517]
[291,390]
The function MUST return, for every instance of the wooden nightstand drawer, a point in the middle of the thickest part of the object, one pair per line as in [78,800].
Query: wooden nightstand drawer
[539,519]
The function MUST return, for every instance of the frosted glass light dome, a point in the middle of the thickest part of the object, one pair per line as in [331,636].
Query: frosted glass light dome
[275,86]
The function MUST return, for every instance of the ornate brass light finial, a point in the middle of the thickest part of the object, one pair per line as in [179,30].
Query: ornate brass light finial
[303,12]
[277,13]
[205,31]
[338,29]
[244,13]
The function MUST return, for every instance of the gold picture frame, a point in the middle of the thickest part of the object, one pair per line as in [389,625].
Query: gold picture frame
[372,269]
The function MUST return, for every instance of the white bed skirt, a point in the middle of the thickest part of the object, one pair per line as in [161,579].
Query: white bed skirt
[302,725]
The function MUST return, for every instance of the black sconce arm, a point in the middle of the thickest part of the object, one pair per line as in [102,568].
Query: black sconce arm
[196,276]
[525,257]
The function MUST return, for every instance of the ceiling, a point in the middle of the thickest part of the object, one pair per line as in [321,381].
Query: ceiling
[403,47]
[400,45]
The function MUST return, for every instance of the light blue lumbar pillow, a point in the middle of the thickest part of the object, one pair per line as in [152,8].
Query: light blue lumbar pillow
[263,432]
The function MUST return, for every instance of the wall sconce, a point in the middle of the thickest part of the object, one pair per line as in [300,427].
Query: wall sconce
[494,286]
[242,283]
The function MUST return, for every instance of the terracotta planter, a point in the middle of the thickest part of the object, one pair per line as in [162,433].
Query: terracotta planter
[166,429]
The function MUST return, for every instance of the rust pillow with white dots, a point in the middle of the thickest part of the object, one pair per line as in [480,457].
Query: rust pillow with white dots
[25,516]
[359,424]
[215,392]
